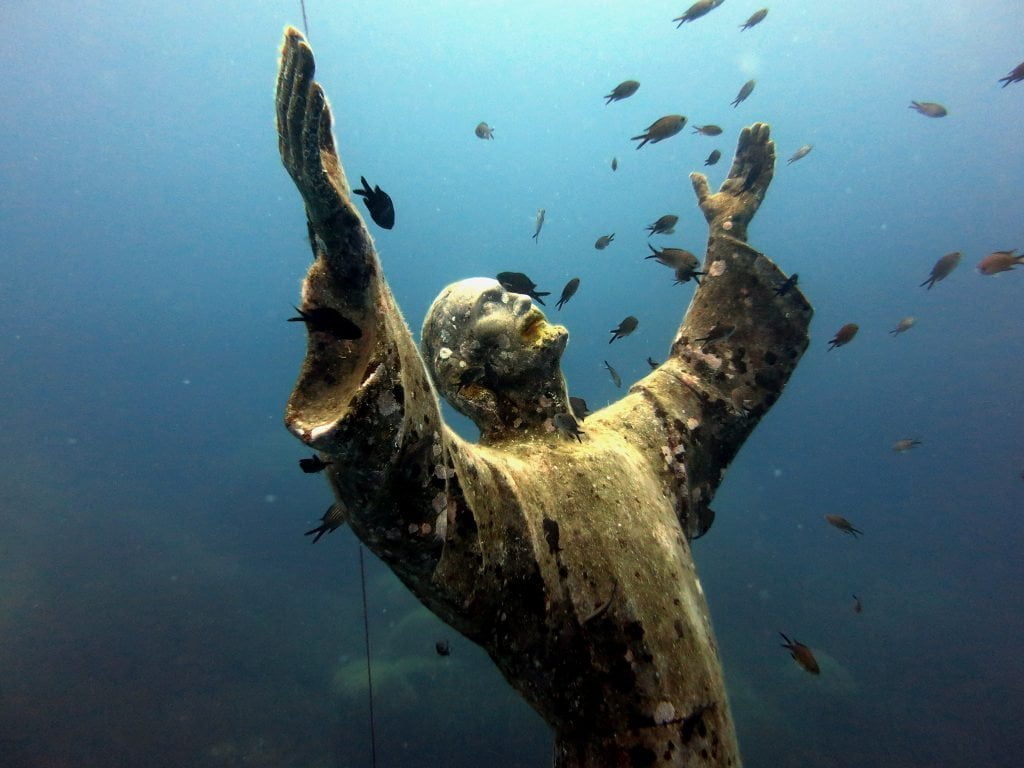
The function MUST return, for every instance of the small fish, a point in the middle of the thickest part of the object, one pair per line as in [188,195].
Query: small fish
[903,325]
[718,332]
[801,152]
[327,320]
[942,268]
[538,223]
[517,282]
[673,257]
[904,445]
[665,225]
[603,241]
[653,363]
[661,129]
[686,274]
[844,525]
[1015,76]
[707,130]
[843,336]
[623,90]
[714,157]
[626,327]
[566,426]
[615,163]
[313,465]
[754,20]
[745,91]
[568,292]
[929,108]
[801,655]
[378,202]
[616,379]
[443,648]
[999,261]
[788,285]
[697,10]
[857,607]
[579,407]
[484,131]
[332,519]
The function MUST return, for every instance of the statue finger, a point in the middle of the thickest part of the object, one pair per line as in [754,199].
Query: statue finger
[298,96]
[285,85]
[700,187]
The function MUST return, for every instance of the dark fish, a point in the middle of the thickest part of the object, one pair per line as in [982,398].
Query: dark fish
[552,534]
[999,261]
[754,20]
[517,282]
[484,131]
[579,407]
[697,10]
[332,519]
[538,223]
[661,129]
[378,202]
[903,325]
[603,241]
[443,648]
[801,655]
[616,379]
[623,90]
[653,363]
[801,152]
[714,157]
[1015,76]
[788,285]
[843,336]
[681,260]
[615,163]
[904,445]
[844,525]
[686,274]
[857,607]
[327,320]
[626,327]
[942,268]
[313,465]
[745,91]
[665,225]
[707,130]
[568,292]
[718,332]
[566,426]
[929,108]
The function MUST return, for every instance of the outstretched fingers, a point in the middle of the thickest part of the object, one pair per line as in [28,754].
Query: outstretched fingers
[700,187]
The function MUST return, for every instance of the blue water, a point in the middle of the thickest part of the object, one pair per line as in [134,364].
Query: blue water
[158,603]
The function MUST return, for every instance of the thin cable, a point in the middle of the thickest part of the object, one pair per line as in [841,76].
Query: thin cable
[305,24]
[369,675]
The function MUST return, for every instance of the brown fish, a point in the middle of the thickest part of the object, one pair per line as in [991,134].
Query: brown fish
[844,525]
[903,325]
[332,519]
[661,129]
[615,163]
[942,268]
[707,130]
[745,91]
[484,131]
[714,157]
[603,241]
[568,292]
[843,336]
[626,327]
[904,445]
[623,90]
[665,225]
[566,426]
[801,655]
[754,20]
[929,108]
[673,258]
[616,379]
[718,332]
[801,152]
[999,261]
[1015,76]
[857,607]
[697,10]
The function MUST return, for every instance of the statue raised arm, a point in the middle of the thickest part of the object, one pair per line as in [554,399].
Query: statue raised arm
[568,560]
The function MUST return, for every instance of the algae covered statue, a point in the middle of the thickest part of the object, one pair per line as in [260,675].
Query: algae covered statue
[567,557]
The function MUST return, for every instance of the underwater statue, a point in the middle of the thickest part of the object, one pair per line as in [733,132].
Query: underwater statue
[565,555]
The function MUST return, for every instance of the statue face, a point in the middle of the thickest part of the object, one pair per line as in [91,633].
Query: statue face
[477,333]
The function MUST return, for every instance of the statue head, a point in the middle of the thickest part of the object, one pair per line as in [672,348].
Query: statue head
[494,356]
